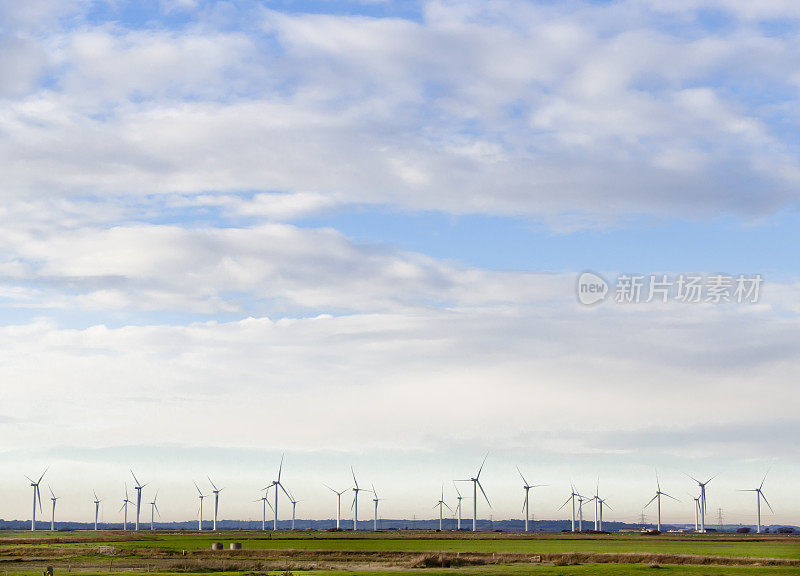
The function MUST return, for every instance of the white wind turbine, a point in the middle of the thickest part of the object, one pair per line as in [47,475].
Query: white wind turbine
[526,503]
[36,496]
[276,484]
[201,496]
[571,498]
[581,500]
[216,492]
[657,497]
[338,503]
[441,504]
[703,508]
[759,496]
[375,500]
[53,499]
[125,507]
[458,506]
[96,509]
[138,489]
[696,512]
[294,507]
[599,503]
[153,510]
[476,483]
[265,502]
[354,505]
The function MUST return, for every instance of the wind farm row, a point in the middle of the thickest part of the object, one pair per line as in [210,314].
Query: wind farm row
[577,501]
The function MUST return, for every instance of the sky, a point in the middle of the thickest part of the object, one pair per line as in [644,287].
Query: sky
[352,232]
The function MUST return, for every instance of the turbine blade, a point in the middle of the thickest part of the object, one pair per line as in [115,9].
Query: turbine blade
[354,476]
[668,496]
[280,468]
[521,476]
[481,468]
[565,503]
[289,496]
[483,492]
[651,501]
[43,473]
[212,482]
[762,481]
[456,487]
[198,488]
[448,507]
[766,501]
[134,477]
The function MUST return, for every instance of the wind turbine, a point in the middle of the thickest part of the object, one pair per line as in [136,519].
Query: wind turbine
[525,504]
[581,500]
[294,506]
[458,506]
[201,495]
[216,492]
[571,498]
[36,496]
[441,504]
[125,507]
[96,509]
[696,512]
[277,483]
[53,498]
[153,510]
[476,483]
[375,500]
[602,502]
[338,503]
[759,496]
[658,496]
[596,499]
[265,501]
[354,505]
[138,489]
[702,486]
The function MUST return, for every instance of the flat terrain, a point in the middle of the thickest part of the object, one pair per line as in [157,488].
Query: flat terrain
[399,553]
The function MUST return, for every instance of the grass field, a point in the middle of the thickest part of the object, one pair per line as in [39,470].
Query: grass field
[399,554]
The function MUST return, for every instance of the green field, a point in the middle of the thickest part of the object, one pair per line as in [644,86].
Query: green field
[399,554]
[745,546]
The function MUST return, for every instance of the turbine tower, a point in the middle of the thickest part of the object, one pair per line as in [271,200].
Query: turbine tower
[201,496]
[354,505]
[602,503]
[476,483]
[525,504]
[125,507]
[276,484]
[759,496]
[657,497]
[96,509]
[138,489]
[375,500]
[571,498]
[153,510]
[36,496]
[338,504]
[53,499]
[216,492]
[458,506]
[441,504]
[703,508]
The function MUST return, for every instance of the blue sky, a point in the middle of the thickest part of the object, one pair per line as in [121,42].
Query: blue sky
[219,212]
